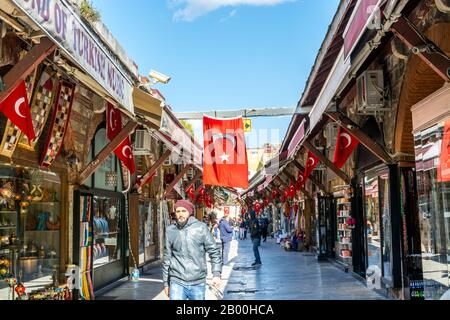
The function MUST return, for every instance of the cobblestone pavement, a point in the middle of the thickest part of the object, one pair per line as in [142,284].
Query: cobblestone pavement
[283,275]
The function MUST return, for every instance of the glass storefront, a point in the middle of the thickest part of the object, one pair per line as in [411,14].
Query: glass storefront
[30,215]
[107,230]
[432,148]
[146,232]
[378,229]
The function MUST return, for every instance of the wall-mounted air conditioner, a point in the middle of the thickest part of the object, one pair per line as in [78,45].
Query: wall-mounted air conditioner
[370,92]
[142,143]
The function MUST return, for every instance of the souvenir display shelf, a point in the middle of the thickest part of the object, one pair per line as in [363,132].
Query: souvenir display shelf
[29,226]
[344,231]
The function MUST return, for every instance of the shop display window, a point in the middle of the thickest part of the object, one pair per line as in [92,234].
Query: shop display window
[385,209]
[146,233]
[30,215]
[432,148]
[107,230]
[372,217]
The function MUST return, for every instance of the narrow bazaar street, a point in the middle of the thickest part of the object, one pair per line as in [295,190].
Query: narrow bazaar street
[284,275]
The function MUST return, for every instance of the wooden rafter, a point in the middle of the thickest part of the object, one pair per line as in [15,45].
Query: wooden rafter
[152,170]
[313,179]
[106,151]
[177,178]
[362,137]
[308,145]
[26,66]
[431,54]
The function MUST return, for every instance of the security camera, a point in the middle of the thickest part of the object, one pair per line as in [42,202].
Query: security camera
[160,77]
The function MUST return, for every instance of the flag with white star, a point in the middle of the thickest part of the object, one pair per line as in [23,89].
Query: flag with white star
[225,155]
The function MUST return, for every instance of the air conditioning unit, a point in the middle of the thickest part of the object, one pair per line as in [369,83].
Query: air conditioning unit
[142,143]
[370,92]
[190,174]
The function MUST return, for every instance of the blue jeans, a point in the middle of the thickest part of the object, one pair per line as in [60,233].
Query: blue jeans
[226,252]
[256,244]
[190,292]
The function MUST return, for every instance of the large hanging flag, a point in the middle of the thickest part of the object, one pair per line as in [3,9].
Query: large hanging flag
[124,151]
[225,155]
[345,144]
[311,163]
[16,108]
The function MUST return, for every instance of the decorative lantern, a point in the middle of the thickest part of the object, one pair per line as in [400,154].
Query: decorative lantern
[111,175]
[20,289]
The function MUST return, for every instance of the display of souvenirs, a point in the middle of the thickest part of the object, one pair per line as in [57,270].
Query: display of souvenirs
[101,226]
[5,264]
[60,293]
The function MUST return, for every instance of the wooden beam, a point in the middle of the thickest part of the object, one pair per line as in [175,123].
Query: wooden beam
[26,66]
[313,179]
[177,178]
[197,176]
[106,151]
[342,120]
[431,54]
[326,162]
[152,170]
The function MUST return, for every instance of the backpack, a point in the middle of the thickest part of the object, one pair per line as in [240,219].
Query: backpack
[255,228]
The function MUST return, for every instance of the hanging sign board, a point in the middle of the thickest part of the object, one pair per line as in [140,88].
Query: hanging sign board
[247,124]
[58,20]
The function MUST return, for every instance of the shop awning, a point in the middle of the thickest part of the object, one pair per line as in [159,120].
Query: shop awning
[147,106]
[431,110]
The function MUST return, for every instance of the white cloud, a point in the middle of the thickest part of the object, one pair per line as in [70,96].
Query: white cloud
[188,10]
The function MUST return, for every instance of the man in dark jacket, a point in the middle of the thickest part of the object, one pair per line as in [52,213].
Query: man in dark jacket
[226,235]
[186,245]
[255,235]
[264,224]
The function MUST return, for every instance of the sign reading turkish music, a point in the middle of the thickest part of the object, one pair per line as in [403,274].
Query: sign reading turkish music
[67,30]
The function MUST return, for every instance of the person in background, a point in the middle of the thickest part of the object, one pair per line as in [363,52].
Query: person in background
[255,235]
[242,230]
[184,266]
[264,224]
[226,233]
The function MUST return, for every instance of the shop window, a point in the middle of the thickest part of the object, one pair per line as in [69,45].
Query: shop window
[30,215]
[109,175]
[146,232]
[107,230]
[432,149]
[385,210]
[372,217]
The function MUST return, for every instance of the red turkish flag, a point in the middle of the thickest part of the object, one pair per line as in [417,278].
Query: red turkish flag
[125,153]
[15,106]
[345,144]
[114,120]
[225,155]
[443,172]
[311,163]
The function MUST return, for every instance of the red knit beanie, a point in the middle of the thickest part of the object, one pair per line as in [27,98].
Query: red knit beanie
[185,204]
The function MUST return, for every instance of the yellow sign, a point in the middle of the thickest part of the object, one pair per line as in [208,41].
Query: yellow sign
[247,125]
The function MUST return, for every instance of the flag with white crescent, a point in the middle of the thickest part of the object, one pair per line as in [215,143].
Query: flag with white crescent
[114,119]
[124,151]
[225,155]
[16,108]
[311,162]
[345,144]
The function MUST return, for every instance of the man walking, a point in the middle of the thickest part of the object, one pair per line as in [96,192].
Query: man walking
[255,235]
[184,267]
[226,234]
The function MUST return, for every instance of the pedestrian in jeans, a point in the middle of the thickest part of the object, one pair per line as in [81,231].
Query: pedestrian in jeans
[255,235]
[264,224]
[226,234]
[242,229]
[184,266]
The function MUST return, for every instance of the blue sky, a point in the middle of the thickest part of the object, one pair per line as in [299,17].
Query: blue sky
[224,54]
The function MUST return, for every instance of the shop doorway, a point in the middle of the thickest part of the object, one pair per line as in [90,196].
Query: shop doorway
[327,227]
